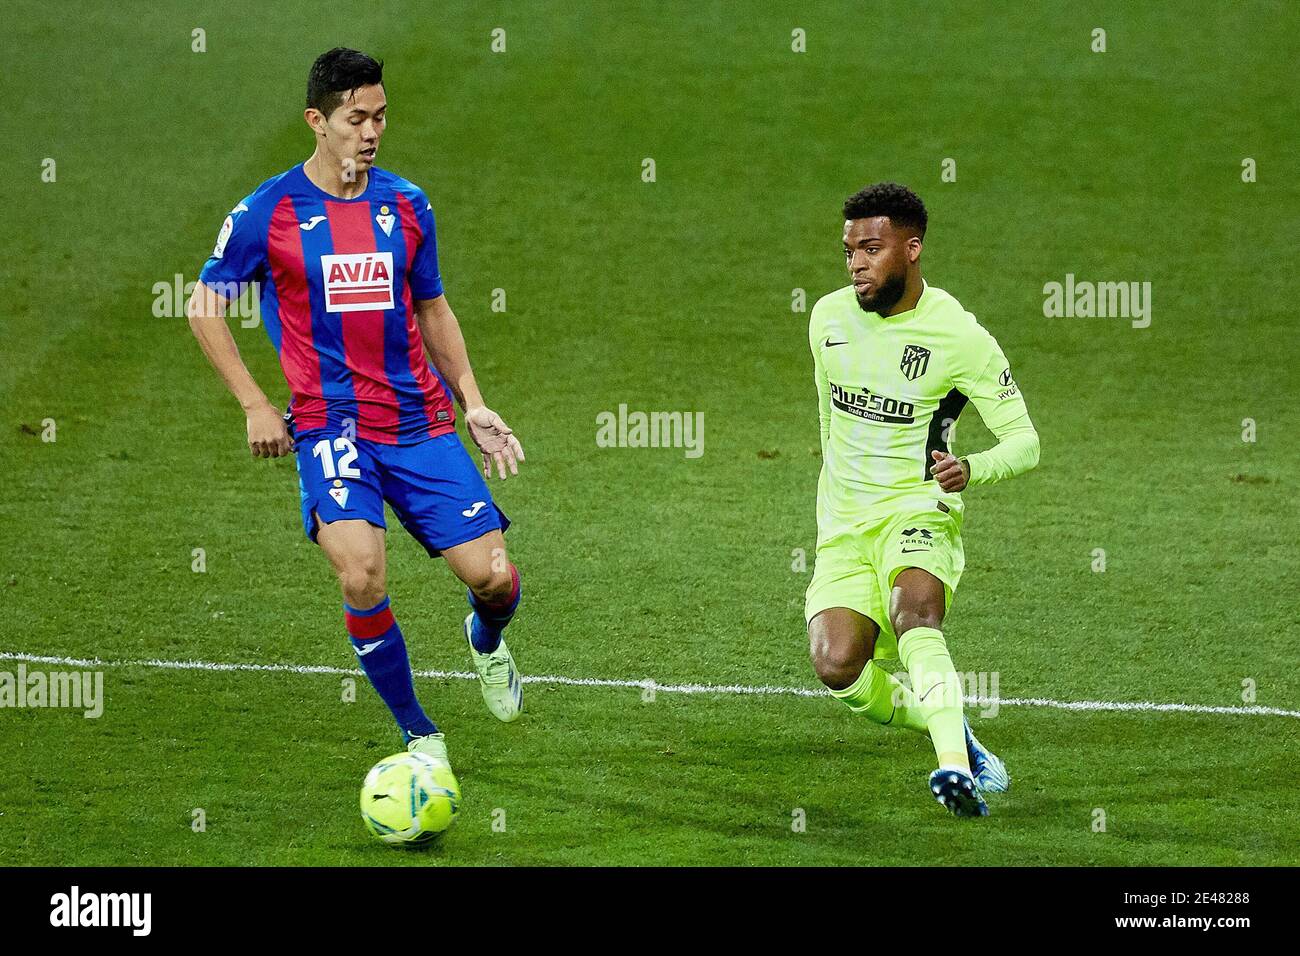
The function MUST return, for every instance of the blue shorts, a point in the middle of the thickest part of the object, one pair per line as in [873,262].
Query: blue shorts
[433,486]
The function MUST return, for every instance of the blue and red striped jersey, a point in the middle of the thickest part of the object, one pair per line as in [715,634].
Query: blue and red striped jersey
[338,278]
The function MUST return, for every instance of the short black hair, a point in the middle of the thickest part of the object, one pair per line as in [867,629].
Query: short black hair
[338,72]
[902,206]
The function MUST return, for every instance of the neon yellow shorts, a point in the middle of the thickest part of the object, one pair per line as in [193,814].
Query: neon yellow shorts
[856,569]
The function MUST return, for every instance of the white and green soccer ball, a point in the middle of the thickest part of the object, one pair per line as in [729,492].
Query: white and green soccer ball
[409,799]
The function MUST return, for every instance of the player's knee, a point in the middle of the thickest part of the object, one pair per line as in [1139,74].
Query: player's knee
[927,614]
[492,584]
[363,582]
[837,663]
[918,599]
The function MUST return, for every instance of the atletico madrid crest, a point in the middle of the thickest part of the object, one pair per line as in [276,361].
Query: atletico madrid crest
[915,361]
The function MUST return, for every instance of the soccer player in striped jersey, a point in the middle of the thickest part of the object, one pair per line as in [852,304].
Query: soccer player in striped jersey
[347,261]
[895,361]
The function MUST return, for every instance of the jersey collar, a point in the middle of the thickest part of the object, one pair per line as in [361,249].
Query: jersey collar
[901,316]
[330,197]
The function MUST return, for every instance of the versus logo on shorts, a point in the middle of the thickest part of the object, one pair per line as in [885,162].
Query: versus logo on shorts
[358,281]
[920,537]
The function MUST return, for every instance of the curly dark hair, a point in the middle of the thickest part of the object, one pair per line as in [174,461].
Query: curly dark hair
[337,72]
[902,206]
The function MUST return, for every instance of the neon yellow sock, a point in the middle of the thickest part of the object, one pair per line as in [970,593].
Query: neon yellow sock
[880,697]
[937,686]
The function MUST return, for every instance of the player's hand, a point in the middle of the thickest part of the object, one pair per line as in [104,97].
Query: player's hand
[495,440]
[952,473]
[267,435]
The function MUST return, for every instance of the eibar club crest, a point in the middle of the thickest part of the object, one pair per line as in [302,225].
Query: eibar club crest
[386,220]
[915,361]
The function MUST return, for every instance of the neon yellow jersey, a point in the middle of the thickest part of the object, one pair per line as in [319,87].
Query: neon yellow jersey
[890,392]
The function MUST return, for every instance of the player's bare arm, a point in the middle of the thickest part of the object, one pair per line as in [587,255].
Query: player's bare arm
[206,311]
[446,346]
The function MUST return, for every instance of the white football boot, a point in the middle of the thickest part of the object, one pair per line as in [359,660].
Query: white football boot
[498,678]
[989,770]
[431,745]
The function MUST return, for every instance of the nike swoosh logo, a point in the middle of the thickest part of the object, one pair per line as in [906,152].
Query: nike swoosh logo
[471,512]
[830,345]
[311,223]
[365,649]
[910,550]
[927,693]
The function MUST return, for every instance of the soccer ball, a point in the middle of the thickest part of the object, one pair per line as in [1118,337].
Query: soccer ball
[409,799]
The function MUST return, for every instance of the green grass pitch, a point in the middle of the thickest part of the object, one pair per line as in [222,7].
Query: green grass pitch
[673,295]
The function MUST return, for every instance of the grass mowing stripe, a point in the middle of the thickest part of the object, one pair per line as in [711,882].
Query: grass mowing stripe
[739,690]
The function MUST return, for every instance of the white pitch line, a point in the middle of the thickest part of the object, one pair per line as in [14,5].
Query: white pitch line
[732,689]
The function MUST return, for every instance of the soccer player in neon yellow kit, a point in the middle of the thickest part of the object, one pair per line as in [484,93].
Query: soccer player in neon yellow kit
[895,361]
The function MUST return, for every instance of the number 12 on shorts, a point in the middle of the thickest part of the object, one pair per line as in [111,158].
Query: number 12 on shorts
[345,468]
